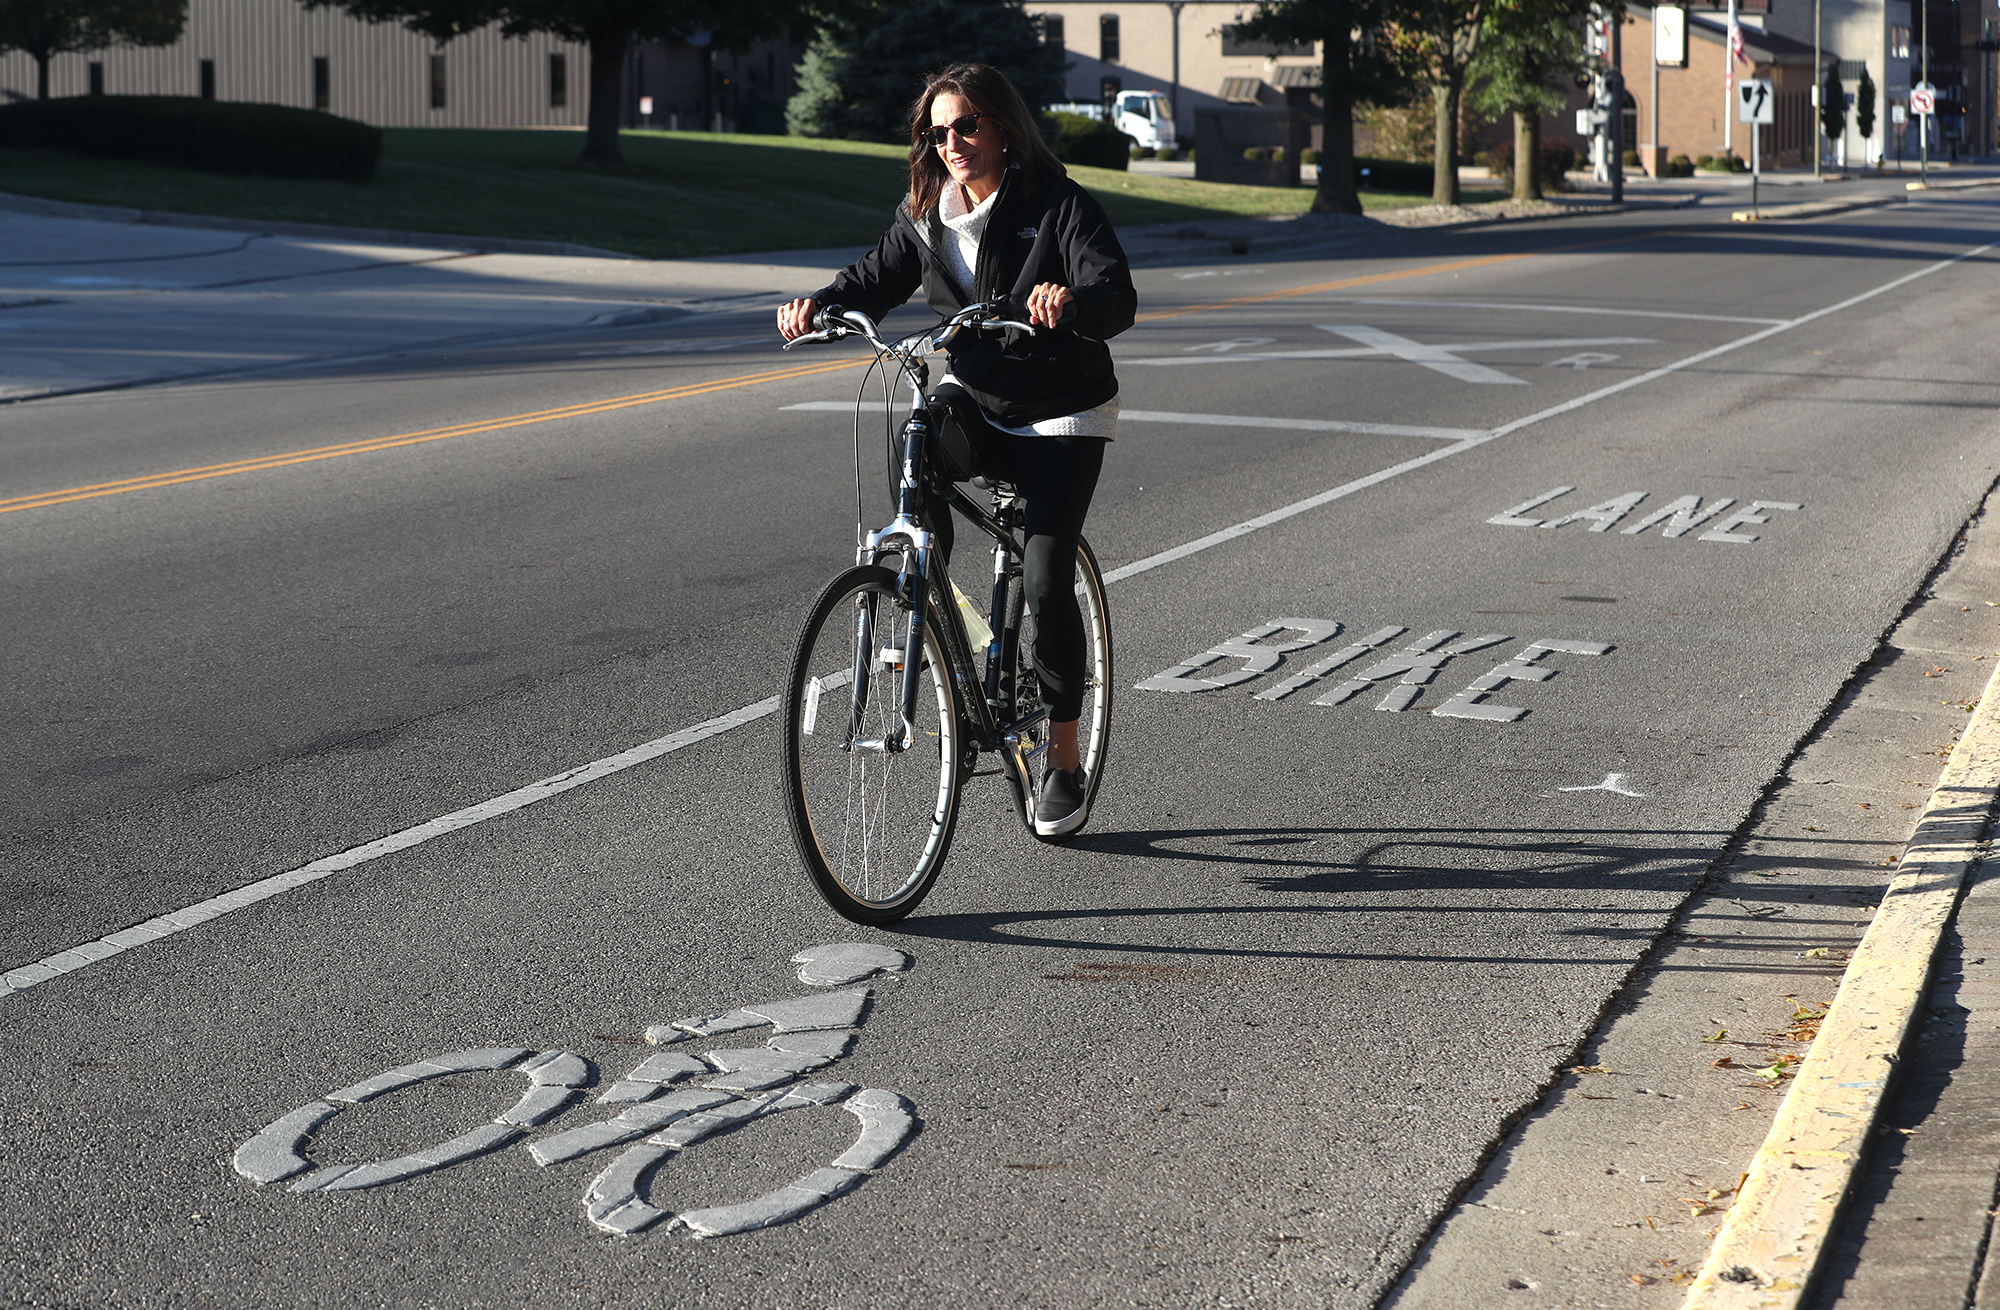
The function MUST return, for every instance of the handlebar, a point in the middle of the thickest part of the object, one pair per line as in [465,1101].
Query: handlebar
[833,323]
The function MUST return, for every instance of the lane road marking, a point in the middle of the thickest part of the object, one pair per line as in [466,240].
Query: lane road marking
[19,980]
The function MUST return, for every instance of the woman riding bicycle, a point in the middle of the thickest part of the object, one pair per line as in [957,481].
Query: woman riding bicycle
[992,215]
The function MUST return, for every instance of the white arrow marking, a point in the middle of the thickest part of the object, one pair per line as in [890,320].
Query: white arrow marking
[1610,783]
[1442,358]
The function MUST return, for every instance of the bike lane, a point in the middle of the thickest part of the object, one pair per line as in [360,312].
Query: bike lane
[1198,1031]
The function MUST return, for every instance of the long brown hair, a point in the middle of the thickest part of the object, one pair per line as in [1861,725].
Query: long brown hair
[994,97]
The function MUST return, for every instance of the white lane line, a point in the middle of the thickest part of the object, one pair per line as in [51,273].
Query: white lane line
[1295,424]
[54,966]
[1569,309]
[20,980]
[1204,420]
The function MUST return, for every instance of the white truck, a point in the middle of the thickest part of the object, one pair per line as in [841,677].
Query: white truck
[1145,116]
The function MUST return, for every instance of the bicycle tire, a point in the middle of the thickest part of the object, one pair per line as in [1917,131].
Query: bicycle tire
[1094,725]
[872,826]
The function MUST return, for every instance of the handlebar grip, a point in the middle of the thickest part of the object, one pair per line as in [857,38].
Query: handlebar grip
[827,317]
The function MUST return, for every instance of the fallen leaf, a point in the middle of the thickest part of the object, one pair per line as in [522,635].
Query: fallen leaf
[1720,1034]
[1589,1068]
[1724,1063]
[1644,1280]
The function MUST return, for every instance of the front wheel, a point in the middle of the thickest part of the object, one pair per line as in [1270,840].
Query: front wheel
[872,816]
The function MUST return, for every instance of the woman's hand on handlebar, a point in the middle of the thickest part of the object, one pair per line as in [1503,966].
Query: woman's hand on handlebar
[1048,303]
[795,319]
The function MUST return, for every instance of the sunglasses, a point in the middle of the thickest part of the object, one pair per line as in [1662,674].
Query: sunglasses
[965,125]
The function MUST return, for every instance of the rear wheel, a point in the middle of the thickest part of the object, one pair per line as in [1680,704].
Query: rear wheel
[872,816]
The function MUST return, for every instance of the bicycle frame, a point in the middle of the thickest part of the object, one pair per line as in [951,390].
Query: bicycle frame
[923,573]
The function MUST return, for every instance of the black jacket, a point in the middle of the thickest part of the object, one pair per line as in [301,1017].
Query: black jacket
[1058,235]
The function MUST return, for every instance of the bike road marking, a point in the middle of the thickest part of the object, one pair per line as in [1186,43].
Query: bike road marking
[20,980]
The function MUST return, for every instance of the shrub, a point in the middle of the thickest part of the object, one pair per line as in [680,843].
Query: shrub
[1629,158]
[763,119]
[1081,139]
[1726,162]
[1254,155]
[1704,162]
[1167,154]
[1680,166]
[1143,152]
[218,136]
[1309,157]
[1556,161]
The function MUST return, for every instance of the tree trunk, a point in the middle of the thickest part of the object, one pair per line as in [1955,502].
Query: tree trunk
[608,45]
[1337,193]
[1444,181]
[1527,155]
[41,75]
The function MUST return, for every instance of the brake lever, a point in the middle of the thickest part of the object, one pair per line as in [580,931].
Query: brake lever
[809,338]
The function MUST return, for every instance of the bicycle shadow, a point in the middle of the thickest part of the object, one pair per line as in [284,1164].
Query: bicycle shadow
[1415,872]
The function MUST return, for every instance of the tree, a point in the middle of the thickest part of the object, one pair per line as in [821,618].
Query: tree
[858,79]
[1354,70]
[1833,104]
[1530,51]
[607,26]
[1864,107]
[1436,41]
[43,29]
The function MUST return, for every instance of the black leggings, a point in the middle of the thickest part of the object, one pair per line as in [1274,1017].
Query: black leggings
[1056,477]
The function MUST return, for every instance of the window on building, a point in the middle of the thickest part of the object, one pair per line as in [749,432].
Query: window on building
[1052,30]
[208,79]
[322,83]
[437,82]
[1107,38]
[1899,41]
[558,81]
[1234,46]
[96,77]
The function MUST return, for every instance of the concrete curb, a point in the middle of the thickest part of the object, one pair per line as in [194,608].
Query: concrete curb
[1972,185]
[1777,1233]
[372,236]
[1811,209]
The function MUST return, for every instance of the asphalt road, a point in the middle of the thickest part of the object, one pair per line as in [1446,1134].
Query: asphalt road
[1240,1044]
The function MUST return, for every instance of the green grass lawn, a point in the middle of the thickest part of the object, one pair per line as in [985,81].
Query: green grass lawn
[680,194]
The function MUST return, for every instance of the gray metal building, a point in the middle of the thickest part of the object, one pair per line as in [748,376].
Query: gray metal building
[279,52]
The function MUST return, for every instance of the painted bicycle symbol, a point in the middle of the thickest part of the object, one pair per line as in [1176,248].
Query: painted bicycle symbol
[742,1084]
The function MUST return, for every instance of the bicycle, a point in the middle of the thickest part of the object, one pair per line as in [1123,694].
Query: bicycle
[887,709]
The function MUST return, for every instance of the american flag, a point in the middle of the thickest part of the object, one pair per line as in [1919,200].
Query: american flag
[1736,44]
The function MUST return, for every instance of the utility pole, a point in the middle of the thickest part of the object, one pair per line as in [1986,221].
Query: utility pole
[1174,7]
[1819,85]
[1924,124]
[1614,86]
[1729,83]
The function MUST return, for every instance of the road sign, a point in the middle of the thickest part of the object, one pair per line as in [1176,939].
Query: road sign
[1899,114]
[1923,99]
[1754,101]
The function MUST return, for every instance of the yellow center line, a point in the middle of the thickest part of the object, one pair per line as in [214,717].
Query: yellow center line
[286,459]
